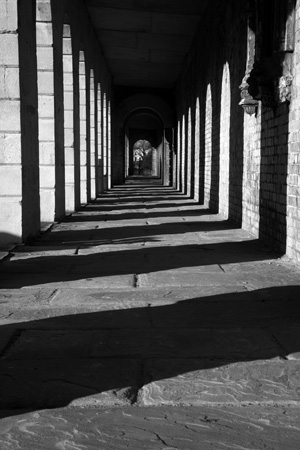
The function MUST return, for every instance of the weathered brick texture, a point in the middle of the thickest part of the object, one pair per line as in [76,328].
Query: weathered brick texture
[248,167]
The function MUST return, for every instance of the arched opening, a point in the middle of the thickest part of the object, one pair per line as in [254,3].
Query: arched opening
[189,154]
[197,152]
[178,156]
[208,147]
[183,155]
[143,158]
[144,144]
[224,143]
[152,113]
[99,180]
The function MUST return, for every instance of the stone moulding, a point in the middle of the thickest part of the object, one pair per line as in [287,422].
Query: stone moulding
[248,103]
[268,77]
[284,90]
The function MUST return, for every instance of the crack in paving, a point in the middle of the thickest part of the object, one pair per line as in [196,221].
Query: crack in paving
[136,281]
[13,340]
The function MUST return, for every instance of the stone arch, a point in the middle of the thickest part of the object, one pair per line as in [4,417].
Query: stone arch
[99,140]
[208,147]
[178,155]
[130,105]
[197,152]
[144,125]
[183,154]
[189,153]
[224,143]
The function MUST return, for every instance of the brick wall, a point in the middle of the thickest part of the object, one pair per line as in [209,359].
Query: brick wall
[221,41]
[263,167]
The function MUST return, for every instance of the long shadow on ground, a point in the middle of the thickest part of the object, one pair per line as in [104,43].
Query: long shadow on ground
[53,361]
[100,262]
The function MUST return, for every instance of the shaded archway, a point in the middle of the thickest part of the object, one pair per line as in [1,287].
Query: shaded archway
[197,152]
[157,109]
[208,149]
[225,143]
[143,158]
[145,144]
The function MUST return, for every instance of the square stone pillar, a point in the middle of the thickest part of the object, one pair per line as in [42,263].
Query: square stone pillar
[105,139]
[19,156]
[69,119]
[83,130]
[45,66]
[99,153]
[109,142]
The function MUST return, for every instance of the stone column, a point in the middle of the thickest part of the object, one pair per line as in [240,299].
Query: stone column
[183,155]
[109,142]
[58,24]
[45,64]
[69,119]
[83,136]
[189,186]
[104,129]
[92,137]
[178,156]
[19,158]
[99,142]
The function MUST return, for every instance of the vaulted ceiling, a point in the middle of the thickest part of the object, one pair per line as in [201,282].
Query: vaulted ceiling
[145,41]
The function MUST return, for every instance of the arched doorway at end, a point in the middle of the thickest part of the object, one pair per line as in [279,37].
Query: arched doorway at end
[144,144]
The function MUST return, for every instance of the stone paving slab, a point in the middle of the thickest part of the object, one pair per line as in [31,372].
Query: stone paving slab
[158,296]
[56,281]
[36,297]
[101,318]
[34,251]
[15,298]
[188,278]
[192,277]
[173,382]
[234,344]
[56,383]
[214,382]
[164,428]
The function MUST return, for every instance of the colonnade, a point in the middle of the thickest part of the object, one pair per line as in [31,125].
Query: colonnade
[55,119]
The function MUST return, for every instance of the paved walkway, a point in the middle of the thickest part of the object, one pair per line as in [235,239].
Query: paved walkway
[146,322]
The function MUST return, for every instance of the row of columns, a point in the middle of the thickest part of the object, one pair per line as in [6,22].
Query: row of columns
[196,164]
[55,124]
